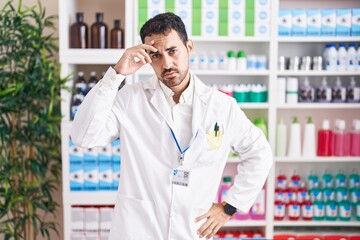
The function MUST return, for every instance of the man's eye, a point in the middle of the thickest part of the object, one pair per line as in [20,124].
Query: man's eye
[172,51]
[155,56]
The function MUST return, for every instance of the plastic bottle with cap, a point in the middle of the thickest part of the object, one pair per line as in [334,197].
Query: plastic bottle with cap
[223,61]
[92,81]
[353,91]
[241,61]
[323,92]
[357,67]
[203,61]
[224,187]
[341,141]
[325,140]
[231,61]
[351,63]
[261,123]
[309,139]
[242,93]
[295,139]
[342,58]
[292,87]
[213,61]
[281,140]
[194,61]
[306,92]
[338,92]
[355,138]
[332,58]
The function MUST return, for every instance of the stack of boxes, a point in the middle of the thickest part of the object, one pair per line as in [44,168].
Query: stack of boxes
[94,169]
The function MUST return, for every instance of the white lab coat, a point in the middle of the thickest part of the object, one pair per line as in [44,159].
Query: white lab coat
[148,205]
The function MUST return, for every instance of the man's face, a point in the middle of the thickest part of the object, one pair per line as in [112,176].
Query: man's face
[171,61]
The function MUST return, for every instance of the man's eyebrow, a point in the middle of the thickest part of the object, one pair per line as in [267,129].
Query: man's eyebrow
[170,48]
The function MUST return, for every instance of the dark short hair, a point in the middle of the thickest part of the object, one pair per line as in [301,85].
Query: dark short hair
[162,23]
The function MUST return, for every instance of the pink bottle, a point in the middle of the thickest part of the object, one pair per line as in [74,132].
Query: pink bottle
[224,187]
[293,209]
[279,208]
[295,180]
[307,209]
[355,139]
[281,180]
[341,139]
[258,209]
[301,193]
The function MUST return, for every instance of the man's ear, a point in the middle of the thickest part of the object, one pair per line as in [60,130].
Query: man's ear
[190,46]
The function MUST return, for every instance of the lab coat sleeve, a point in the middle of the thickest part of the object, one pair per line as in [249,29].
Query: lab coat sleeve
[256,160]
[95,123]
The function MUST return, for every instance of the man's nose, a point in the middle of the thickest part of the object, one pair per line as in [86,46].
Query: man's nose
[167,62]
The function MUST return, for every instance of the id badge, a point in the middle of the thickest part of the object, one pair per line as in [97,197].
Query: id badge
[181,177]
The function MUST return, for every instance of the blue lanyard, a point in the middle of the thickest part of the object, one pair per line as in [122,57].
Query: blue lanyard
[181,159]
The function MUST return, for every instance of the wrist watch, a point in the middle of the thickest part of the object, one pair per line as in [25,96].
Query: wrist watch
[229,210]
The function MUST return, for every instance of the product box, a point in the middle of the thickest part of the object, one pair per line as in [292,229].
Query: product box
[236,22]
[159,4]
[76,176]
[236,4]
[92,219]
[285,23]
[343,22]
[262,15]
[152,12]
[299,22]
[328,22]
[115,151]
[116,175]
[90,155]
[210,4]
[262,29]
[104,153]
[106,214]
[313,22]
[209,23]
[91,177]
[105,176]
[76,153]
[78,236]
[262,4]
[185,15]
[355,23]
[77,219]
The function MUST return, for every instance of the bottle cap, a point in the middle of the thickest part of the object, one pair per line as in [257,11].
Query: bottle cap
[326,124]
[356,124]
[324,82]
[231,54]
[241,54]
[338,82]
[352,82]
[117,23]
[351,44]
[227,179]
[341,44]
[79,16]
[259,121]
[99,16]
[295,120]
[340,124]
[93,74]
[309,120]
[81,74]
[306,81]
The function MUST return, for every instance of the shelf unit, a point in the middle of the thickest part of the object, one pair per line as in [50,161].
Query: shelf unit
[72,59]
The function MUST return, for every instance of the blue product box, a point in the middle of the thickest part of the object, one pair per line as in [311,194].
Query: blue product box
[90,155]
[313,22]
[105,176]
[343,22]
[285,23]
[115,152]
[116,175]
[328,22]
[104,153]
[91,177]
[75,153]
[299,22]
[355,23]
[76,176]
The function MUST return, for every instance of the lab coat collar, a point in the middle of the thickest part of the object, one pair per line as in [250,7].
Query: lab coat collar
[200,101]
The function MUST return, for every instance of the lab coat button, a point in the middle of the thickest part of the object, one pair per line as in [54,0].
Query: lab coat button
[113,78]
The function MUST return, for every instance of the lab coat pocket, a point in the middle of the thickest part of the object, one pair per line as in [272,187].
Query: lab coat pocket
[130,213]
[197,212]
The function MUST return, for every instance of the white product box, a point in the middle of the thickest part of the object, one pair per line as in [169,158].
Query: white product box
[236,30]
[313,22]
[210,25]
[210,4]
[92,219]
[90,155]
[91,177]
[285,23]
[152,12]
[77,219]
[262,4]
[76,176]
[104,153]
[116,175]
[105,176]
[116,150]
[159,4]
[355,23]
[183,4]
[299,22]
[236,22]
[262,29]
[106,215]
[262,15]
[186,17]
[343,22]
[77,236]
[76,153]
[328,22]
[236,4]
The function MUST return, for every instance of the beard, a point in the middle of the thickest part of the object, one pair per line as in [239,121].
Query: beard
[173,77]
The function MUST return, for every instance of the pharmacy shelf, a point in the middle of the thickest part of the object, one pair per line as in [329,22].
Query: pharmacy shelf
[91,198]
[229,39]
[91,56]
[210,72]
[320,106]
[318,39]
[316,223]
[317,73]
[317,159]
[245,223]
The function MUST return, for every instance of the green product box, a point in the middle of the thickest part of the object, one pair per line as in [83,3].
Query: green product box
[196,29]
[250,4]
[169,5]
[223,15]
[196,15]
[249,29]
[250,15]
[143,4]
[196,4]
[223,29]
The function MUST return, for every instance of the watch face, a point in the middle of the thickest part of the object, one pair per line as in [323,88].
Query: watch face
[230,210]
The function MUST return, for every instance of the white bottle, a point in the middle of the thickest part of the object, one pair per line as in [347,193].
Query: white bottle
[231,61]
[281,140]
[294,150]
[338,91]
[353,91]
[332,57]
[351,63]
[309,139]
[342,58]
[357,67]
[213,61]
[203,61]
[292,87]
[281,90]
[194,61]
[223,62]
[241,61]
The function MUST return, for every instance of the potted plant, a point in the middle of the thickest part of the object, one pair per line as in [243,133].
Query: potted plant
[30,153]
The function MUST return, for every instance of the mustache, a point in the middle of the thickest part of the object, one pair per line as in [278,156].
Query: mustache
[169,70]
